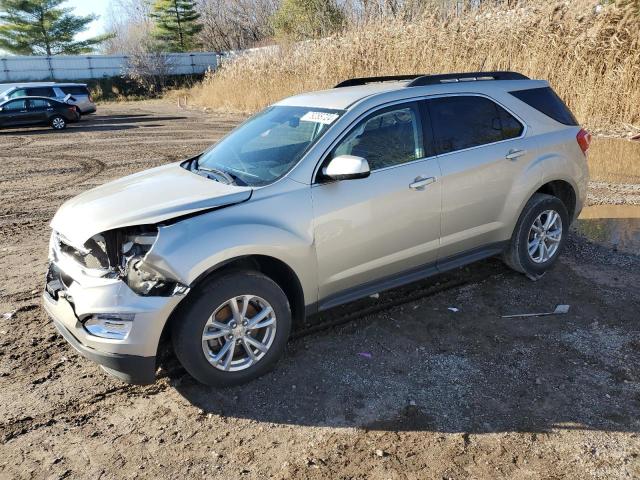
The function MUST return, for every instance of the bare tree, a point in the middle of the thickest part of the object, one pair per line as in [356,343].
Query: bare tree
[129,20]
[235,24]
[150,69]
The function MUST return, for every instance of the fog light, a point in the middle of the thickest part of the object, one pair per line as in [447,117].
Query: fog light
[110,325]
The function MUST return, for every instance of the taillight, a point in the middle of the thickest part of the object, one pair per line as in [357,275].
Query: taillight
[90,98]
[584,140]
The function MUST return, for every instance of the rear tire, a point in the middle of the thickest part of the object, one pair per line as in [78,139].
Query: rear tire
[538,237]
[220,347]
[58,123]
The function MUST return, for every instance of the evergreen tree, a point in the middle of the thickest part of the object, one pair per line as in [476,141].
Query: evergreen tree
[176,24]
[302,19]
[42,27]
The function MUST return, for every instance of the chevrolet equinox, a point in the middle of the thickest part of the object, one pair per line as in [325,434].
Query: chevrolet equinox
[320,199]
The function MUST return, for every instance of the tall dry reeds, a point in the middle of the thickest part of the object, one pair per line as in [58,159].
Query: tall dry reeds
[590,55]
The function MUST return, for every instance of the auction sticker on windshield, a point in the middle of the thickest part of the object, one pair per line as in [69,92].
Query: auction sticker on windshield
[319,117]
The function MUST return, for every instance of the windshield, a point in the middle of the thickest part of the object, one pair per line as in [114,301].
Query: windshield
[268,145]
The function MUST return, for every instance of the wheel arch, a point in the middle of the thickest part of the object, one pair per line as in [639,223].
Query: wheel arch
[274,268]
[562,190]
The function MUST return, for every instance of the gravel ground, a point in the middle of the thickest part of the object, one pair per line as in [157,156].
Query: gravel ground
[401,387]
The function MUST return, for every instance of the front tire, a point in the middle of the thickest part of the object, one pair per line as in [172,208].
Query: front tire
[538,237]
[58,123]
[233,329]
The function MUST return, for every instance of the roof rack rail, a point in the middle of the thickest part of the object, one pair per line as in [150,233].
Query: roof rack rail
[465,77]
[352,82]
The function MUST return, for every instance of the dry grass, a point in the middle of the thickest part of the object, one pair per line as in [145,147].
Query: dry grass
[614,160]
[592,60]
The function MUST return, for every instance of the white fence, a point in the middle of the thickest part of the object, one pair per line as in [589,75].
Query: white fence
[85,67]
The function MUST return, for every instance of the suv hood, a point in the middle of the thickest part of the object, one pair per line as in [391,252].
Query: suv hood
[148,197]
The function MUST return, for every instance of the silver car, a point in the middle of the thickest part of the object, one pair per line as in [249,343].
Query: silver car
[320,199]
[72,93]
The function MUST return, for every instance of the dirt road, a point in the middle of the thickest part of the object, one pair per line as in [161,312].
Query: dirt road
[405,389]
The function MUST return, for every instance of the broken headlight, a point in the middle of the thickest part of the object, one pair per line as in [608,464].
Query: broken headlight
[142,278]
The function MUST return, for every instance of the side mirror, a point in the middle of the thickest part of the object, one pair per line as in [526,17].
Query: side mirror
[347,167]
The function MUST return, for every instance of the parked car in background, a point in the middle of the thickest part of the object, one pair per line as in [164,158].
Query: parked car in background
[319,200]
[80,95]
[24,111]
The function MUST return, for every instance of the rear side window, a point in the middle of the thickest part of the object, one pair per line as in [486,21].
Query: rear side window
[38,103]
[78,90]
[40,92]
[545,100]
[461,122]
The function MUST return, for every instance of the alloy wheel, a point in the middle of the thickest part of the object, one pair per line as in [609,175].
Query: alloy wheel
[58,123]
[239,333]
[544,236]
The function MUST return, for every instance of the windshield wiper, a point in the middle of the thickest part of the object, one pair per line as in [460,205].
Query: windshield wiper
[229,177]
[218,173]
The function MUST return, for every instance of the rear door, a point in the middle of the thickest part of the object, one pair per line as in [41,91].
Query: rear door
[481,149]
[39,110]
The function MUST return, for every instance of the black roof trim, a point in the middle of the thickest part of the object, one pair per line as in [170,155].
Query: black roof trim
[422,80]
[465,77]
[352,82]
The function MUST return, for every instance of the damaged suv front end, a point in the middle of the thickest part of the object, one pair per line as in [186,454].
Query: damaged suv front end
[105,291]
[108,302]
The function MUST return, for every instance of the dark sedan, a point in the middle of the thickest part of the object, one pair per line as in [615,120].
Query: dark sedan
[26,111]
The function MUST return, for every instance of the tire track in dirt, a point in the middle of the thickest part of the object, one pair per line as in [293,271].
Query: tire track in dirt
[88,168]
[21,142]
[78,411]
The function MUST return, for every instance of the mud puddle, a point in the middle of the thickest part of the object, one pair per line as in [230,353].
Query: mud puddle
[613,226]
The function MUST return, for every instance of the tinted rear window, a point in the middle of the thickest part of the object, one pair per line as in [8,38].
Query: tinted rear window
[548,102]
[37,103]
[461,122]
[75,90]
[40,92]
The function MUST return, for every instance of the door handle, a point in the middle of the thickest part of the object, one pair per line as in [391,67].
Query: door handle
[421,182]
[514,154]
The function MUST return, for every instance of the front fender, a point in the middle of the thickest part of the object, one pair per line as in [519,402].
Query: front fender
[188,249]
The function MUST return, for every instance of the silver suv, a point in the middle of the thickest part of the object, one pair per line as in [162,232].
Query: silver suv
[320,199]
[72,93]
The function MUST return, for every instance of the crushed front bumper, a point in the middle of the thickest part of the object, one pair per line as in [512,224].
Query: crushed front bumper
[71,300]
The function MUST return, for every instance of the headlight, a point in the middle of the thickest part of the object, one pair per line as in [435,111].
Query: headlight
[92,256]
[141,277]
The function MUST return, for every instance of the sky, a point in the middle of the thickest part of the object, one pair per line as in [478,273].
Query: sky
[87,7]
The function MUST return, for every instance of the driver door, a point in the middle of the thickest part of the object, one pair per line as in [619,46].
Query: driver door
[369,232]
[14,113]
